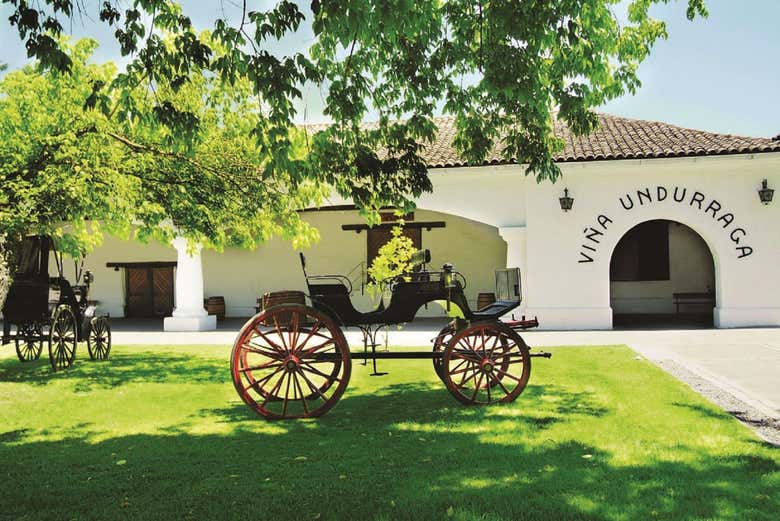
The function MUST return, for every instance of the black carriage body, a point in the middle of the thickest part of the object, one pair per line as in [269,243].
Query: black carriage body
[408,296]
[34,297]
[27,301]
[28,296]
[331,295]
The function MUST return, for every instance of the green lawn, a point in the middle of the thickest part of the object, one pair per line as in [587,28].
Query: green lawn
[159,433]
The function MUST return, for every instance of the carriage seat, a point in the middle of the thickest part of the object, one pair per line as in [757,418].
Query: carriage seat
[496,309]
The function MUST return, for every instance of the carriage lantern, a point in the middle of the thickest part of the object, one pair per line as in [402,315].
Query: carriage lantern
[566,201]
[766,193]
[447,278]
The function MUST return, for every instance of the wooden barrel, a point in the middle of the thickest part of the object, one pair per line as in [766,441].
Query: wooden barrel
[485,299]
[274,298]
[215,306]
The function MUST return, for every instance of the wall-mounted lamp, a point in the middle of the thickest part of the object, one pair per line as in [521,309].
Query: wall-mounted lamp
[566,201]
[766,193]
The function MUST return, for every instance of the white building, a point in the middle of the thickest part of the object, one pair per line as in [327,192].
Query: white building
[665,222]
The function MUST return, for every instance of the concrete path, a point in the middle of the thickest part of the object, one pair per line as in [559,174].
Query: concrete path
[743,362]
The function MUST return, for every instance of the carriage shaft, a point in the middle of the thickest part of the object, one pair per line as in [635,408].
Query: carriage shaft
[409,355]
[402,355]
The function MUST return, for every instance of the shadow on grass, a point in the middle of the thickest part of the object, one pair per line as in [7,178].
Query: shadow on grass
[120,369]
[410,402]
[407,452]
[706,412]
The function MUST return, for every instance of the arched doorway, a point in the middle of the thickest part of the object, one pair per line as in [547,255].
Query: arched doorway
[662,274]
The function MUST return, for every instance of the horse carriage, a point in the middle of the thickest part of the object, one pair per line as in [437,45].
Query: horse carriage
[40,309]
[293,360]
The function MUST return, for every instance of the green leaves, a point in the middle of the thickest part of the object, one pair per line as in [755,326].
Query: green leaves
[77,173]
[392,260]
[197,114]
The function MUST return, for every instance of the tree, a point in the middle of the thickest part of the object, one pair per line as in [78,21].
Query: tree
[504,68]
[72,163]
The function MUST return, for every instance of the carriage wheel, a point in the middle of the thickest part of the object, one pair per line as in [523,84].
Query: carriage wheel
[328,381]
[99,338]
[29,342]
[486,363]
[62,338]
[439,343]
[290,361]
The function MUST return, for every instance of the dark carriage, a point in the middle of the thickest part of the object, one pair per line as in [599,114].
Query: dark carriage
[293,361]
[40,309]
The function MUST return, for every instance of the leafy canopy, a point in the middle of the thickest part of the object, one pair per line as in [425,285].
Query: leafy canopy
[504,68]
[74,163]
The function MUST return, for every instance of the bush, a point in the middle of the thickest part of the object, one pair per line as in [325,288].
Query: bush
[391,261]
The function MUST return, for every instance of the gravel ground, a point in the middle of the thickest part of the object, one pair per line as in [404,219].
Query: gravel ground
[766,427]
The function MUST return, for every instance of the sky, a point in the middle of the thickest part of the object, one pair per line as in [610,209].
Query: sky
[720,74]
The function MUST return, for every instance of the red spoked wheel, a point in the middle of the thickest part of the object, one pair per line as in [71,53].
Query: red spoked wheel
[486,363]
[290,361]
[439,343]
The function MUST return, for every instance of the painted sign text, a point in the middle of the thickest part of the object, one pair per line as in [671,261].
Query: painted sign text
[593,235]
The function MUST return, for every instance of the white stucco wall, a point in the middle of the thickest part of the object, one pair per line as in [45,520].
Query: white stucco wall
[474,248]
[691,269]
[567,293]
[496,216]
[494,195]
[109,285]
[241,276]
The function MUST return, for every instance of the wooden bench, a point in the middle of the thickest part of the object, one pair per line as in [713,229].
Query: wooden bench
[692,298]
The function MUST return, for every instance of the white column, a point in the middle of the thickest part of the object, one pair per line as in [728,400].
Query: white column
[189,314]
[515,238]
[515,246]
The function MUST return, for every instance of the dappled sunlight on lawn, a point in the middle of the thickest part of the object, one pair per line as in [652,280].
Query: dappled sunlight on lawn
[159,433]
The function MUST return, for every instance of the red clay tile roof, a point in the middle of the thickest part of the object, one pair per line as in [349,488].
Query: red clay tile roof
[615,138]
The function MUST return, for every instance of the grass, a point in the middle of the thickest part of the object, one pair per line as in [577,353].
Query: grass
[159,433]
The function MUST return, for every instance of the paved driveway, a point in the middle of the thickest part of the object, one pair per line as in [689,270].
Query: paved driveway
[744,362]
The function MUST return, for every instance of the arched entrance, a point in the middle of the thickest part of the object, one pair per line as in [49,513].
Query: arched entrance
[662,274]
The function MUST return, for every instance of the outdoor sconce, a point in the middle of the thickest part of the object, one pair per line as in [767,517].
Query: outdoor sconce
[766,193]
[566,201]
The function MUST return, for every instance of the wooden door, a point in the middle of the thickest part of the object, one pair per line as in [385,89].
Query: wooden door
[149,292]
[162,291]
